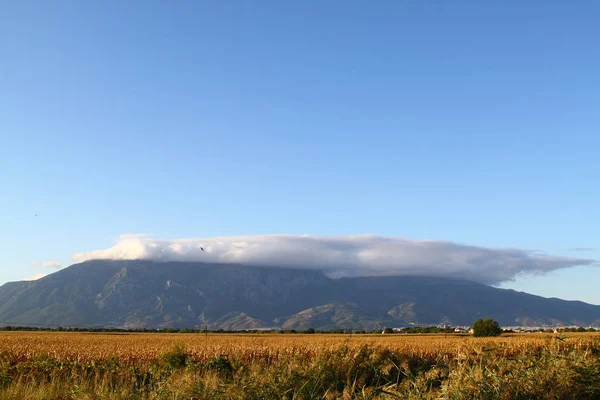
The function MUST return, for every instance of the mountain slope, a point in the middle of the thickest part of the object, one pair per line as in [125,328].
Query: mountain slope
[331,316]
[135,294]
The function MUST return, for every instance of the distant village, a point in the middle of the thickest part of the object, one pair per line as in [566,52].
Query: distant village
[505,329]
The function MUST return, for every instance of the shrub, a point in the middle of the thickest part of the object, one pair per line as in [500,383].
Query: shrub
[221,365]
[486,327]
[176,358]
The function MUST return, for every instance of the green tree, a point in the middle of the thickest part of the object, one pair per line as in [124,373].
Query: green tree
[388,330]
[486,327]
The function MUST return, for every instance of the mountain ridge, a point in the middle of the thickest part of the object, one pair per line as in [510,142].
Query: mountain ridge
[148,294]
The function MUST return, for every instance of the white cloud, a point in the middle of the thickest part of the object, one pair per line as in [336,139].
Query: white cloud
[35,277]
[46,264]
[361,255]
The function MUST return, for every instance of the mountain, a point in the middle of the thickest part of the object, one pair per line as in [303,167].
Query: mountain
[331,316]
[136,294]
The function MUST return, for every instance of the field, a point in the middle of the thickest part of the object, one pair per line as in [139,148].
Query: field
[60,365]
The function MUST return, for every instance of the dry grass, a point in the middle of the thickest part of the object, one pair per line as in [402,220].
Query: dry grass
[264,366]
[139,347]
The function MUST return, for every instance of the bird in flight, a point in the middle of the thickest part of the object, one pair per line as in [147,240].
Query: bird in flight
[202,248]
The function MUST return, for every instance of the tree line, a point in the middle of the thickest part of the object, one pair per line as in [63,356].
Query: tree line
[481,327]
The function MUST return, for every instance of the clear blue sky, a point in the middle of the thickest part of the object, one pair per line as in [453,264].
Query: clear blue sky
[465,121]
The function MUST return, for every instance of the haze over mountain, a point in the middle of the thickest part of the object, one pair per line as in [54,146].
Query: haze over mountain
[144,293]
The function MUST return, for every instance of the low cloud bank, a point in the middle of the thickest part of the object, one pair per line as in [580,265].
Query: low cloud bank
[362,255]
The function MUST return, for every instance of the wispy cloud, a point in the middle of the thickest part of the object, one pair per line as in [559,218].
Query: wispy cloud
[361,255]
[46,264]
[581,249]
[35,277]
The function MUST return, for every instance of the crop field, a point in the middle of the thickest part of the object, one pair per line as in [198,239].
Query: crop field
[65,365]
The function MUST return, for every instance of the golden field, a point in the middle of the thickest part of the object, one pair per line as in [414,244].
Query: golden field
[145,347]
[46,365]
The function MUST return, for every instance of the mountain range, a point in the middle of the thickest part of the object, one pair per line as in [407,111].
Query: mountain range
[147,294]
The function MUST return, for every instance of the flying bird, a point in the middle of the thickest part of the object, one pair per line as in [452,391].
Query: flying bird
[202,248]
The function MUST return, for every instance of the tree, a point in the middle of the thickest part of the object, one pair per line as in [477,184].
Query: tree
[388,330]
[486,327]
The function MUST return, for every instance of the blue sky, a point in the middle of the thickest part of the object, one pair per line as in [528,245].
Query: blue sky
[461,121]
